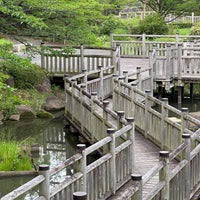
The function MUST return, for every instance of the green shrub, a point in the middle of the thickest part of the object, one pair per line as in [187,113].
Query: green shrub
[6,45]
[195,30]
[110,24]
[26,74]
[181,25]
[153,24]
[8,99]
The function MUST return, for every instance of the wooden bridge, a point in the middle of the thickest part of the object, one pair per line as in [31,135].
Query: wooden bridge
[147,148]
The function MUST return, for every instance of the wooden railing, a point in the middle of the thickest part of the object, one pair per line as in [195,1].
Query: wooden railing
[169,18]
[84,58]
[179,63]
[141,45]
[99,178]
[168,128]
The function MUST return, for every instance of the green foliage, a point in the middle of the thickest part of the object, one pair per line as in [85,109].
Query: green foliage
[26,74]
[13,158]
[8,99]
[153,24]
[195,30]
[6,45]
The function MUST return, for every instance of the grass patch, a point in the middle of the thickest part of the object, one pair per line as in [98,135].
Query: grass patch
[13,158]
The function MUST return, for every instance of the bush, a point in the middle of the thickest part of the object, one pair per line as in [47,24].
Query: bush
[153,24]
[110,24]
[6,45]
[195,30]
[26,74]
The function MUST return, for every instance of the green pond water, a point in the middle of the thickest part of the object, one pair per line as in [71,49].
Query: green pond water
[56,144]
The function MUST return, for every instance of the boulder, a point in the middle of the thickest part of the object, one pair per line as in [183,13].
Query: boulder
[25,112]
[193,126]
[15,117]
[45,87]
[53,103]
[44,114]
[1,118]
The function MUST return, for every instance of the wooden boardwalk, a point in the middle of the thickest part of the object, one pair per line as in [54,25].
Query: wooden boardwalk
[144,153]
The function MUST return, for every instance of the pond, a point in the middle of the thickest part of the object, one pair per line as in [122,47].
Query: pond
[56,143]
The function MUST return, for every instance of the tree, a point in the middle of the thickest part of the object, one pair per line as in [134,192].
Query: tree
[165,7]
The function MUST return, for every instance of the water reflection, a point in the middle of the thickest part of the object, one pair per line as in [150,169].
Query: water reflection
[55,142]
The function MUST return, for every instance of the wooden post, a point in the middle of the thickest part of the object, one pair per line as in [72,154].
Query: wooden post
[85,77]
[131,136]
[93,127]
[168,69]
[80,196]
[151,71]
[164,174]
[44,188]
[105,105]
[125,73]
[82,57]
[163,127]
[133,98]
[118,66]
[120,114]
[83,87]
[114,95]
[101,93]
[137,180]
[143,44]
[111,133]
[147,105]
[177,39]
[139,78]
[73,93]
[82,165]
[120,90]
[187,139]
[184,124]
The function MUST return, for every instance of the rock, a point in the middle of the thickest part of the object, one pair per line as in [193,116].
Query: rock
[15,117]
[10,81]
[45,87]
[1,118]
[53,104]
[44,114]
[25,112]
[191,125]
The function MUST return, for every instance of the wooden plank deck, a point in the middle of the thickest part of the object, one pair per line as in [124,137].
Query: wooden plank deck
[146,152]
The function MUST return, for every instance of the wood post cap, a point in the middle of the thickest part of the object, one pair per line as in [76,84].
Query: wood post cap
[94,93]
[136,177]
[184,109]
[43,167]
[83,86]
[110,130]
[81,147]
[79,195]
[130,119]
[105,103]
[121,77]
[120,113]
[147,91]
[164,154]
[186,136]
[165,99]
[134,84]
